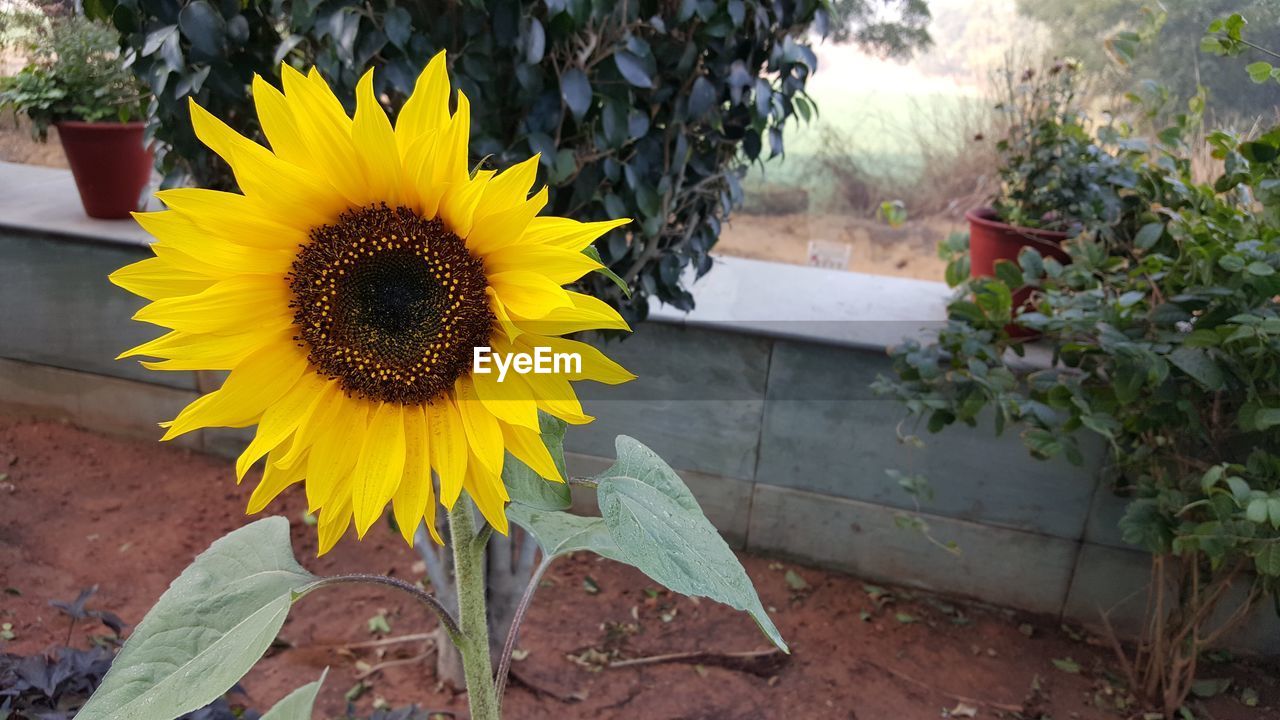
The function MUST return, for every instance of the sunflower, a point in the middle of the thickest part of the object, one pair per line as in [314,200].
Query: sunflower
[346,288]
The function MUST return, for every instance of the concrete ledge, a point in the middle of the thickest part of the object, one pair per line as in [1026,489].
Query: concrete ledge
[106,404]
[1007,567]
[1116,582]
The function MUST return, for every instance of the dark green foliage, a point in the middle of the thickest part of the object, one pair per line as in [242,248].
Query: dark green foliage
[1165,342]
[641,109]
[55,684]
[1163,333]
[76,72]
[1053,173]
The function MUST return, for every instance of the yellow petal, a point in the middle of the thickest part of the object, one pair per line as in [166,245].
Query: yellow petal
[584,313]
[335,453]
[199,251]
[454,163]
[375,142]
[556,397]
[334,521]
[568,234]
[489,494]
[308,200]
[251,387]
[154,279]
[420,191]
[595,365]
[448,447]
[236,218]
[186,351]
[505,322]
[328,403]
[280,420]
[527,446]
[227,305]
[484,436]
[502,229]
[528,294]
[427,110]
[510,188]
[458,204]
[274,481]
[326,130]
[380,467]
[415,494]
[510,402]
[559,266]
[278,126]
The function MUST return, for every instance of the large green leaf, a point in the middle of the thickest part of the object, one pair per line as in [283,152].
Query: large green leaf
[207,630]
[559,533]
[527,487]
[1197,363]
[298,704]
[660,529]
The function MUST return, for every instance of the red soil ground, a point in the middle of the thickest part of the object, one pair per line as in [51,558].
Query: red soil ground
[79,509]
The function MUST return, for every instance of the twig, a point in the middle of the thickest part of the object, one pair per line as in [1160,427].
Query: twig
[393,663]
[756,662]
[415,637]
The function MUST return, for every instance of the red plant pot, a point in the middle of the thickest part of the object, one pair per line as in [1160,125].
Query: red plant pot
[110,164]
[991,240]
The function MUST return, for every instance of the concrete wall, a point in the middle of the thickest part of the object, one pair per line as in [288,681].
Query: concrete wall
[780,438]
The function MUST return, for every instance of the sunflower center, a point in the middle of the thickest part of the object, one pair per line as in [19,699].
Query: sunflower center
[389,304]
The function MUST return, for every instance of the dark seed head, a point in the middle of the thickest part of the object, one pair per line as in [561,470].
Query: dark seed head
[389,304]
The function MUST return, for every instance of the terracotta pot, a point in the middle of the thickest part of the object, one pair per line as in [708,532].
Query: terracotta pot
[991,240]
[110,164]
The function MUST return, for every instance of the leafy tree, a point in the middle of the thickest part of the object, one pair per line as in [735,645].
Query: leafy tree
[648,110]
[1081,30]
[887,28]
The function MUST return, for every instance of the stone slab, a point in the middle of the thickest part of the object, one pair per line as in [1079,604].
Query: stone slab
[1105,512]
[697,400]
[96,402]
[45,200]
[1007,567]
[1116,582]
[826,431]
[60,309]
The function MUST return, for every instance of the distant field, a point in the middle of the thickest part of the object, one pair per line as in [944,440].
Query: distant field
[883,128]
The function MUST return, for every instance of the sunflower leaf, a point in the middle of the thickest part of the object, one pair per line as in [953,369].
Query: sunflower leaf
[559,533]
[660,529]
[594,254]
[298,704]
[527,487]
[207,630]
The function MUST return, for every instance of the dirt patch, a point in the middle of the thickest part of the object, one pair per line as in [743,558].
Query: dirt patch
[17,145]
[79,509]
[874,247]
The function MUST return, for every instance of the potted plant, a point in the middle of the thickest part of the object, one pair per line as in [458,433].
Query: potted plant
[1056,180]
[77,81]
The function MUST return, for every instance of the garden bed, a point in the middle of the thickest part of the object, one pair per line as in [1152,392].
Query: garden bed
[78,509]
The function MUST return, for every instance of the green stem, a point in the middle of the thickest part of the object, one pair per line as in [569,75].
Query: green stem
[468,568]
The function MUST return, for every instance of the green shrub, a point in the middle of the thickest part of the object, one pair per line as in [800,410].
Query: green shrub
[1162,337]
[76,72]
[644,109]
